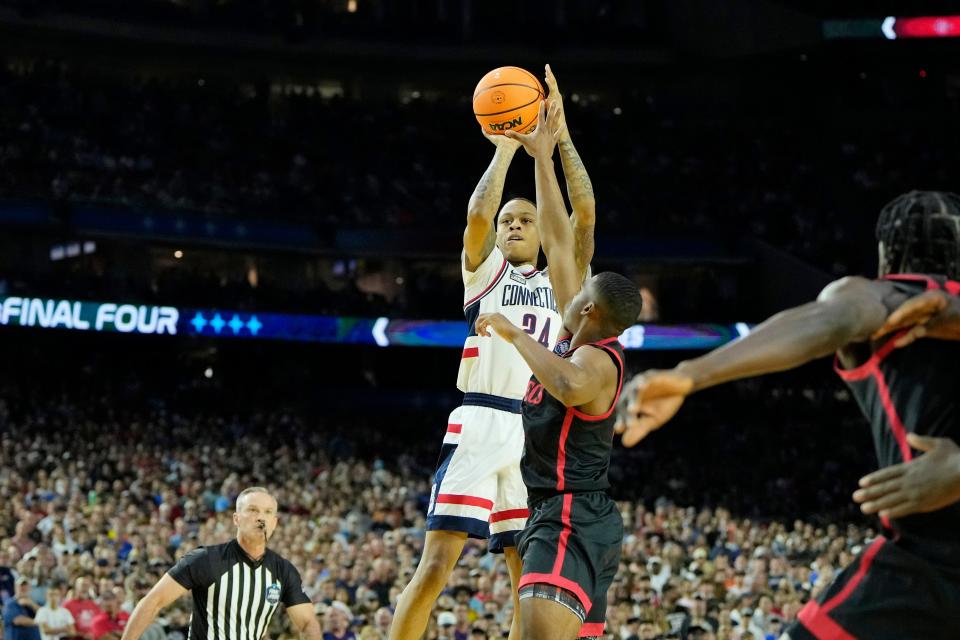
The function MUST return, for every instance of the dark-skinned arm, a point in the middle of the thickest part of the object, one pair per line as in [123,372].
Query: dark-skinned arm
[556,235]
[574,381]
[579,187]
[848,310]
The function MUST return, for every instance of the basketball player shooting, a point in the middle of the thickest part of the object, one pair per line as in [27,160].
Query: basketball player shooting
[571,545]
[478,491]
[906,584]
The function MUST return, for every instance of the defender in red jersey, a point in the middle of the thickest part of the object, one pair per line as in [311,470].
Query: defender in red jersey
[570,547]
[906,584]
[477,491]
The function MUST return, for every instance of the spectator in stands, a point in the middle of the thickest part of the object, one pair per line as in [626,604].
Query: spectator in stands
[109,623]
[55,620]
[83,606]
[337,622]
[19,614]
[7,577]
[21,539]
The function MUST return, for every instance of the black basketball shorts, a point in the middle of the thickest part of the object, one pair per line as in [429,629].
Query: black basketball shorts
[887,593]
[572,541]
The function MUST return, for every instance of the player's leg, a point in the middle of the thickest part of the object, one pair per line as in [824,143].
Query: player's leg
[514,567]
[460,504]
[556,577]
[548,619]
[440,555]
[600,531]
[510,512]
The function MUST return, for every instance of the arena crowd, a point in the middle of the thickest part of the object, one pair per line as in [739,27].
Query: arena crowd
[102,493]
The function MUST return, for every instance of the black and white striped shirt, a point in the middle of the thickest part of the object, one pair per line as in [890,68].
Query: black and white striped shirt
[234,597]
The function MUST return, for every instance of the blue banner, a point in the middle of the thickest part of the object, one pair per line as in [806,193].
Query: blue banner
[114,317]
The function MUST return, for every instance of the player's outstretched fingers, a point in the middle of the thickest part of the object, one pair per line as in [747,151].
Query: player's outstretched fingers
[551,80]
[911,336]
[555,121]
[885,503]
[638,429]
[883,475]
[916,311]
[927,443]
[874,494]
[482,324]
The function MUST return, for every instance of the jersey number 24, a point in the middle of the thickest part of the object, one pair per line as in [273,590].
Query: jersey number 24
[530,326]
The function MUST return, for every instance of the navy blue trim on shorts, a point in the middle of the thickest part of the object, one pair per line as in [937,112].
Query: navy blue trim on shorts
[446,454]
[492,402]
[502,540]
[471,526]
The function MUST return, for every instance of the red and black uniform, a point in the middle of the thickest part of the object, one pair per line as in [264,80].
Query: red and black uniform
[573,536]
[906,584]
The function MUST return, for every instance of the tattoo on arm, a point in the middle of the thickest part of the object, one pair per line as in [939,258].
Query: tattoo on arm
[579,186]
[480,235]
[580,192]
[486,196]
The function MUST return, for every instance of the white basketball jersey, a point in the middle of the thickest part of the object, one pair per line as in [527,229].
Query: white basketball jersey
[524,296]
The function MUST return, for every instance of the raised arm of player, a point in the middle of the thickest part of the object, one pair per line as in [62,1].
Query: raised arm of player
[556,235]
[579,187]
[162,595]
[574,381]
[480,235]
[848,310]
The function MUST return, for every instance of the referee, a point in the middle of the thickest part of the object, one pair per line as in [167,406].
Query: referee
[237,586]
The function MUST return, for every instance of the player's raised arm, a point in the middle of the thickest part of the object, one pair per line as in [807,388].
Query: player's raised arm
[579,187]
[848,310]
[556,235]
[480,235]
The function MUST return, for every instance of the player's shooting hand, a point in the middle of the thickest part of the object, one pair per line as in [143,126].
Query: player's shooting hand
[543,140]
[490,323]
[649,401]
[557,98]
[501,142]
[918,315]
[926,483]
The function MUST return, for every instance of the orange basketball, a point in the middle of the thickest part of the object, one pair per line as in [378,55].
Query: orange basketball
[507,98]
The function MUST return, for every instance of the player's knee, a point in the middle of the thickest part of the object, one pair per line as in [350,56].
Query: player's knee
[432,571]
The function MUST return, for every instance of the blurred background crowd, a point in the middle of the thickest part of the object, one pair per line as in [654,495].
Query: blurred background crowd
[110,475]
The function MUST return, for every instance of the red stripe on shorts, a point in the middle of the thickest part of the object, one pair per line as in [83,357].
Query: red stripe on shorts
[591,629]
[471,501]
[509,514]
[815,617]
